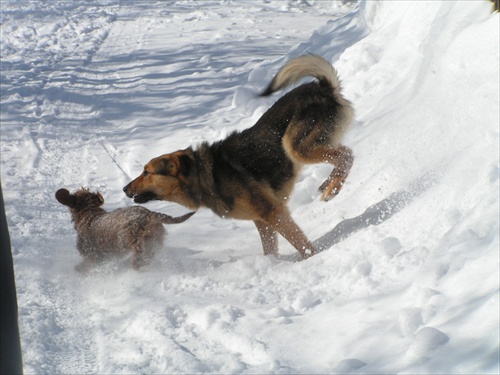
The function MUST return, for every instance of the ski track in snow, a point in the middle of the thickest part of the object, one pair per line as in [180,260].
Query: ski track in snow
[407,280]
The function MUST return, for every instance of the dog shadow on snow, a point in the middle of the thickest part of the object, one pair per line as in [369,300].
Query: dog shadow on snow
[375,214]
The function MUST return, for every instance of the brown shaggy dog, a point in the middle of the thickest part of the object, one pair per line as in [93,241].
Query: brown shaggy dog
[251,174]
[101,234]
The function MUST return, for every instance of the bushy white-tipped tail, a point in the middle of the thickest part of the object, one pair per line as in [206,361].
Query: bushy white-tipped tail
[304,66]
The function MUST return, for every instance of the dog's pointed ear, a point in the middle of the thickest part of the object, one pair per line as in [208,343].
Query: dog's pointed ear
[64,197]
[176,164]
[185,163]
[101,199]
[167,167]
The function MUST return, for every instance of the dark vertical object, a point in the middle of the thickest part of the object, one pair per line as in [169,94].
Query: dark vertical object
[10,344]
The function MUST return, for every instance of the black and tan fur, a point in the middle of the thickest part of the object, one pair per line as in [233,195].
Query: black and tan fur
[251,174]
[101,234]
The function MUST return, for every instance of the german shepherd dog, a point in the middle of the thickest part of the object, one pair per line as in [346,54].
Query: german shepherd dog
[251,174]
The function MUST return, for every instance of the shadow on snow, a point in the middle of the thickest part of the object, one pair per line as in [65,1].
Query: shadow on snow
[375,214]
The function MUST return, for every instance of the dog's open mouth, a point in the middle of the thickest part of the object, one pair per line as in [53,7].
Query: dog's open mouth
[145,197]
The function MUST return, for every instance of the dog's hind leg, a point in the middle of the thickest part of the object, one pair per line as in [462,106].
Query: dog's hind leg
[140,256]
[281,221]
[309,145]
[342,158]
[84,266]
[145,249]
[268,237]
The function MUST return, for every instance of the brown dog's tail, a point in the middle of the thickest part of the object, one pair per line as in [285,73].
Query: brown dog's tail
[166,219]
[305,66]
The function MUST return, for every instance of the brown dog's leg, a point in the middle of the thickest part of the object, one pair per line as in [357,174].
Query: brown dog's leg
[342,158]
[84,266]
[281,221]
[268,237]
[308,151]
[139,257]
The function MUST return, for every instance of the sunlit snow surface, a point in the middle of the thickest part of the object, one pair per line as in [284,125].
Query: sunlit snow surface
[408,279]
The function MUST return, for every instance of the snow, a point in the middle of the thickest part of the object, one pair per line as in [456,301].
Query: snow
[408,279]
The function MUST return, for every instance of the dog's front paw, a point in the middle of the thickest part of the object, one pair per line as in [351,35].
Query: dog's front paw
[308,253]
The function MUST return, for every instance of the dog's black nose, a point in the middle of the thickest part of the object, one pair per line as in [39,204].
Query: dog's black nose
[126,188]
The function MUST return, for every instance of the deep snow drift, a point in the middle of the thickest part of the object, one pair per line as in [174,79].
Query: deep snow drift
[409,277]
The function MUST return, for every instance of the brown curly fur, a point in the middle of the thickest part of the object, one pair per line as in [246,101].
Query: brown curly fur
[101,234]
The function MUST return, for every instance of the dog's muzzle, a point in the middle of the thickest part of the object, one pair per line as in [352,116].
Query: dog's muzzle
[127,192]
[139,198]
[144,197]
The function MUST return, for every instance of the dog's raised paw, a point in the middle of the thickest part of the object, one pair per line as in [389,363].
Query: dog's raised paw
[331,187]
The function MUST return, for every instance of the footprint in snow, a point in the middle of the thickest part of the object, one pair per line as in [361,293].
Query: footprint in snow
[409,320]
[426,341]
[390,246]
[305,300]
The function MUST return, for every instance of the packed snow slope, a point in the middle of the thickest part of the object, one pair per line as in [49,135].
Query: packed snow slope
[408,279]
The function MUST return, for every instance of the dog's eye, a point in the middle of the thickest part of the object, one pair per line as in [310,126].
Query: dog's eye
[145,173]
